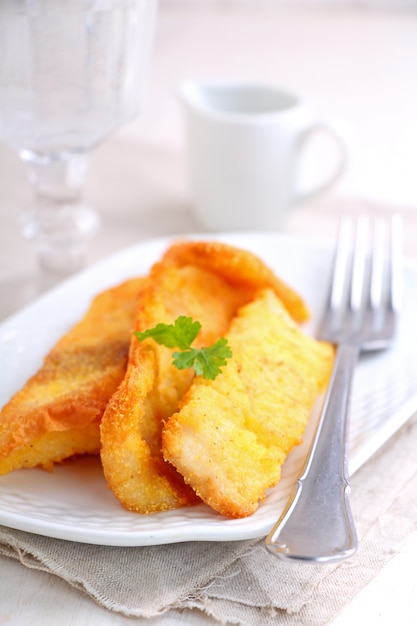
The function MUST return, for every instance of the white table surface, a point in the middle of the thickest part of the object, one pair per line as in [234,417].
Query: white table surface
[358,66]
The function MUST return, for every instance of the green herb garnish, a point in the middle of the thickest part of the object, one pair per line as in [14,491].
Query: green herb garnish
[207,362]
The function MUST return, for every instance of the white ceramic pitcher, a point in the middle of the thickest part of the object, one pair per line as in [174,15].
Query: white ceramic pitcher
[244,143]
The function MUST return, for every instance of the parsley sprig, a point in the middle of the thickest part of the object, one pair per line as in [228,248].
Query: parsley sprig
[207,362]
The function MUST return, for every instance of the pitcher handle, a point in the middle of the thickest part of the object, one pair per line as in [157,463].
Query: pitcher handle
[343,144]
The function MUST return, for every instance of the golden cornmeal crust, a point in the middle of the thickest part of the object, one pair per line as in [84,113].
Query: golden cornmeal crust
[58,411]
[240,268]
[232,434]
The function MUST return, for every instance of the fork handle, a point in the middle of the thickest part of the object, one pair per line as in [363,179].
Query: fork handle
[317,523]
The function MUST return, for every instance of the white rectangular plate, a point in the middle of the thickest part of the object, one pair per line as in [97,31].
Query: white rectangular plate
[74,503]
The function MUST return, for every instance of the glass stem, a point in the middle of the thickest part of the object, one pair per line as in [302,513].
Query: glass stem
[58,177]
[60,223]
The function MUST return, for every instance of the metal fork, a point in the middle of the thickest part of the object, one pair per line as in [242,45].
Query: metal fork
[361,314]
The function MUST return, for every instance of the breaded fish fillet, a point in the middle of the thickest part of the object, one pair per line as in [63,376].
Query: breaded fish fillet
[243,269]
[57,412]
[149,394]
[180,284]
[232,434]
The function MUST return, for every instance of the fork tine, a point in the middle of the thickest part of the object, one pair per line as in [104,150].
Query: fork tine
[378,260]
[359,270]
[341,262]
[396,263]
[394,278]
[385,287]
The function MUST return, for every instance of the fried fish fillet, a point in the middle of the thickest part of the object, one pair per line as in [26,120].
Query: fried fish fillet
[232,434]
[205,281]
[57,412]
[239,268]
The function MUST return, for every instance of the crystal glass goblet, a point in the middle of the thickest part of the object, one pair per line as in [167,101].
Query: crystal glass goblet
[71,72]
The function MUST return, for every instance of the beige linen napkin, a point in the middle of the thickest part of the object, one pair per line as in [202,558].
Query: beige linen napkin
[240,582]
